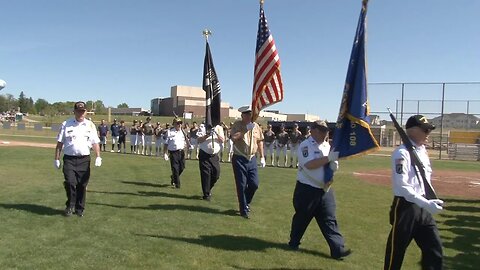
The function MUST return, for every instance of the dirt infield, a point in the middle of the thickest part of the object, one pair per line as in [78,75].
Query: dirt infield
[31,144]
[446,183]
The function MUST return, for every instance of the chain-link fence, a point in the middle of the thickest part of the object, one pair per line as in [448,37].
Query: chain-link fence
[451,106]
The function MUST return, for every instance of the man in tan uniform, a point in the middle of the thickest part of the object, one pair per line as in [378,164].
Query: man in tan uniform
[247,139]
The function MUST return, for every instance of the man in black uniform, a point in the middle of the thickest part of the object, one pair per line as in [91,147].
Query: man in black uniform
[175,144]
[411,213]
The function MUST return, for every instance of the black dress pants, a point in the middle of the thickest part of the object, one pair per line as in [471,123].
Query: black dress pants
[177,164]
[76,171]
[310,202]
[409,221]
[209,171]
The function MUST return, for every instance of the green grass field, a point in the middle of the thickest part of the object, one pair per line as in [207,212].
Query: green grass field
[134,220]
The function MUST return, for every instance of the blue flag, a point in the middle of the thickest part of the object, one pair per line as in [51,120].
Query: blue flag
[352,134]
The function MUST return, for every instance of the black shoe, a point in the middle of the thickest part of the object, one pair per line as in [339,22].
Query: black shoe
[292,247]
[68,211]
[342,254]
[171,181]
[245,215]
[206,198]
[248,208]
[79,213]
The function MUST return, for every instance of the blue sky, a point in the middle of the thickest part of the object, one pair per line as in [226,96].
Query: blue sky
[131,51]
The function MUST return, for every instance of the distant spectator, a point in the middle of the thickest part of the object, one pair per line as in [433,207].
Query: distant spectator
[102,134]
[122,136]
[115,129]
[148,131]
[133,137]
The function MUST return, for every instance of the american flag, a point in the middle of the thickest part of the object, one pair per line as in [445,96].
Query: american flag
[267,83]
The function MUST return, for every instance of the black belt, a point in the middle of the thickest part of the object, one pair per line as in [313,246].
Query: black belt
[75,157]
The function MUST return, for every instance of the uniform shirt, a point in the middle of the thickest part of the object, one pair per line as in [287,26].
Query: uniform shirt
[103,129]
[115,128]
[77,137]
[158,132]
[245,147]
[176,139]
[148,128]
[295,137]
[269,136]
[309,150]
[404,180]
[122,131]
[282,139]
[210,147]
[193,133]
[133,130]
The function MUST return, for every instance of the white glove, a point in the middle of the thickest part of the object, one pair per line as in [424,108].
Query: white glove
[98,162]
[57,164]
[434,206]
[438,201]
[250,126]
[333,165]
[262,162]
[333,156]
[165,156]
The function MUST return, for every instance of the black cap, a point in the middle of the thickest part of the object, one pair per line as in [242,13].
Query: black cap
[177,120]
[79,106]
[320,124]
[419,121]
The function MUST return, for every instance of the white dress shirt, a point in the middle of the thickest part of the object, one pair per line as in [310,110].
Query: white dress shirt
[210,146]
[405,182]
[309,150]
[175,140]
[77,137]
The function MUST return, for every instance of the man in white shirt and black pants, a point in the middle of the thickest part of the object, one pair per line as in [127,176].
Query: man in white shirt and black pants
[208,159]
[175,143]
[77,136]
[313,197]
[411,213]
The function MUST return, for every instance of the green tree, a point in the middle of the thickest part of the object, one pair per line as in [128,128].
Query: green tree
[23,102]
[123,105]
[31,106]
[41,105]
[8,102]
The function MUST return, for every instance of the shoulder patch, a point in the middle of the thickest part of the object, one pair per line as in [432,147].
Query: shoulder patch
[305,151]
[399,165]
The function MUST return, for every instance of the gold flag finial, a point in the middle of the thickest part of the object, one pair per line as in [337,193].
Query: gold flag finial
[206,33]
[261,2]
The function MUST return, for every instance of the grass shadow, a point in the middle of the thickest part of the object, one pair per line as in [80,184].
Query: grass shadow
[145,184]
[150,194]
[235,243]
[33,208]
[174,207]
[465,229]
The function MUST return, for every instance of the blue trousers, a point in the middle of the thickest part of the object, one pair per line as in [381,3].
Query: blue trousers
[310,202]
[246,180]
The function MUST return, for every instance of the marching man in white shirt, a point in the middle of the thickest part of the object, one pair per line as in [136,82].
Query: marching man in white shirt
[208,160]
[313,197]
[411,214]
[77,136]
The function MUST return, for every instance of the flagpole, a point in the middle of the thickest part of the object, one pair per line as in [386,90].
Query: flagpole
[205,34]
